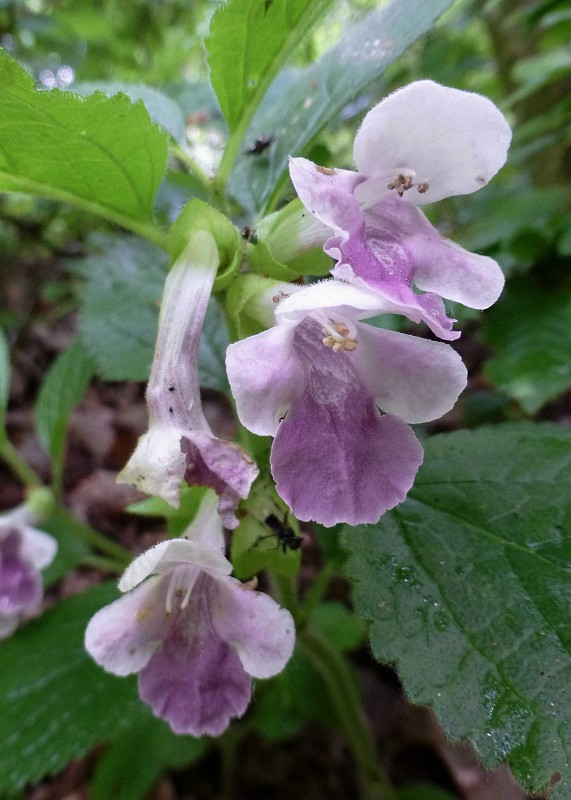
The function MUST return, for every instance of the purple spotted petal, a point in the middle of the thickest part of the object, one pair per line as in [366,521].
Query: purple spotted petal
[223,466]
[262,633]
[335,458]
[328,194]
[20,584]
[196,682]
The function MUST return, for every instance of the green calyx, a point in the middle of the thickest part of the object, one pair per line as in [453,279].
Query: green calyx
[288,244]
[199,216]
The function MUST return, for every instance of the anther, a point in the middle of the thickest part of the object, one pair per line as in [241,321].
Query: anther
[423,187]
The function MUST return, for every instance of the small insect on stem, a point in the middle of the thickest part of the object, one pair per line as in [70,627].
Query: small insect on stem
[259,144]
[286,536]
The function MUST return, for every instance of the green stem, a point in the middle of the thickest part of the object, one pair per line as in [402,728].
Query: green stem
[193,166]
[17,464]
[284,591]
[330,664]
[146,229]
[103,564]
[97,540]
[315,593]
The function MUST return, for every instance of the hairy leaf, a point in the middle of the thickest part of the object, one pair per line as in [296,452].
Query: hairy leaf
[467,586]
[161,108]
[295,110]
[530,330]
[56,702]
[248,43]
[64,386]
[136,758]
[103,154]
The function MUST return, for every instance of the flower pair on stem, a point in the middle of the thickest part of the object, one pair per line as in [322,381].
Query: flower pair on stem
[337,394]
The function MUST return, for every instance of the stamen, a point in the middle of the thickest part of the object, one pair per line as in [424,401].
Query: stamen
[405,181]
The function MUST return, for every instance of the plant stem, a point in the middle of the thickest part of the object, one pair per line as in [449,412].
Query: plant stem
[17,464]
[330,664]
[119,555]
[103,564]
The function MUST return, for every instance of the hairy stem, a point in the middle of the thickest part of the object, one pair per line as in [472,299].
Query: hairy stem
[333,669]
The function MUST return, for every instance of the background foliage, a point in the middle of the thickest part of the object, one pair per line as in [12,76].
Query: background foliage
[466,586]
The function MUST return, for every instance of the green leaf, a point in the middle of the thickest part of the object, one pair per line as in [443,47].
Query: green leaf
[64,386]
[293,698]
[136,758]
[249,42]
[295,113]
[72,549]
[102,154]
[4,381]
[530,330]
[334,620]
[120,303]
[161,108]
[467,586]
[56,702]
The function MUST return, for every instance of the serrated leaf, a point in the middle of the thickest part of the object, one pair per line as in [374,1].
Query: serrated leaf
[64,386]
[296,113]
[467,585]
[530,330]
[137,757]
[249,42]
[120,303]
[56,702]
[162,109]
[103,154]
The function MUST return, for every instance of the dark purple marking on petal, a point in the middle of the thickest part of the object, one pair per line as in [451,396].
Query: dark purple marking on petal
[335,458]
[20,584]
[223,466]
[196,682]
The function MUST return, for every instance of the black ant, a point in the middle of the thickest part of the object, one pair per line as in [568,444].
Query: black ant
[259,144]
[287,538]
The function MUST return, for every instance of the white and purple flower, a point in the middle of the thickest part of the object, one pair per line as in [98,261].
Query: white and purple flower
[179,442]
[423,143]
[195,635]
[24,552]
[316,381]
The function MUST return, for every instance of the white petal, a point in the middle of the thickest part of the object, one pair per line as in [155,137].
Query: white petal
[453,140]
[357,302]
[446,268]
[265,377]
[206,528]
[262,633]
[165,556]
[123,636]
[327,194]
[158,464]
[412,378]
[38,548]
